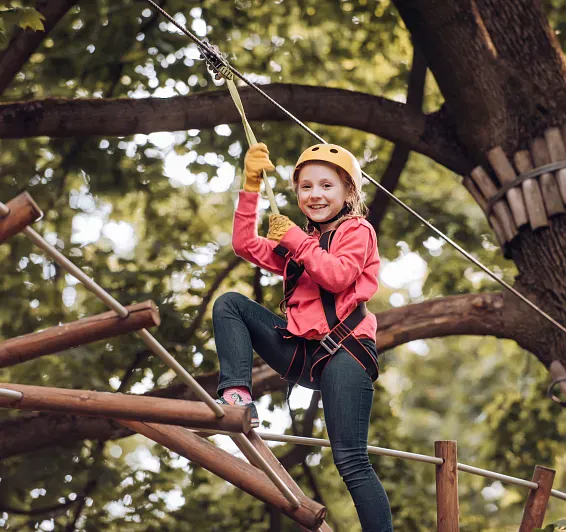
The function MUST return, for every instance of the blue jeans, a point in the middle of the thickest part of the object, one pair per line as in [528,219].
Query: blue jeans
[242,326]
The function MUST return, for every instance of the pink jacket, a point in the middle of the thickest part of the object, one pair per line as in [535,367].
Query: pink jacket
[348,270]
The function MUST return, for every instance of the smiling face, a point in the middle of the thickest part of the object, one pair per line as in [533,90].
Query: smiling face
[321,192]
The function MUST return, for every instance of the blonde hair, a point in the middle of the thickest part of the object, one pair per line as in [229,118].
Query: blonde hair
[358,209]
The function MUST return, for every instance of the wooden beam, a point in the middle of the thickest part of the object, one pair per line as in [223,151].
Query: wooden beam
[234,470]
[124,406]
[23,212]
[447,509]
[535,507]
[275,464]
[56,339]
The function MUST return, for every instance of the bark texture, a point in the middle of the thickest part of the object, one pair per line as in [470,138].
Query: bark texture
[430,135]
[498,65]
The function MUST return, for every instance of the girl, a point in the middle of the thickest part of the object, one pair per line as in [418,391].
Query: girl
[328,340]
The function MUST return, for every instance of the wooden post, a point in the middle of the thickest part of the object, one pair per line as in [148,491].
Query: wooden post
[549,187]
[481,201]
[124,406]
[535,507]
[557,152]
[500,209]
[531,192]
[447,509]
[23,212]
[238,472]
[30,346]
[506,174]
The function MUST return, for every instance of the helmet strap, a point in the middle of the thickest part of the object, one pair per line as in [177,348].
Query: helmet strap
[345,210]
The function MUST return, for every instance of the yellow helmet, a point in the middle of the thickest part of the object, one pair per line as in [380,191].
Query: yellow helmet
[331,153]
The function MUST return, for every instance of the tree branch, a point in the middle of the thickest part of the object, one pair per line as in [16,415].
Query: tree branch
[400,155]
[25,42]
[474,314]
[191,331]
[429,135]
[48,511]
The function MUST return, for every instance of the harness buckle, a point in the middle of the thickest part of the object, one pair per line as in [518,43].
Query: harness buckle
[330,348]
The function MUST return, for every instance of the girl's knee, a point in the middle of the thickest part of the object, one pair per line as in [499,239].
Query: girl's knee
[227,301]
[351,462]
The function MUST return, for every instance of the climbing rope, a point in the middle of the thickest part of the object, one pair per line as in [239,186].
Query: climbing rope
[221,65]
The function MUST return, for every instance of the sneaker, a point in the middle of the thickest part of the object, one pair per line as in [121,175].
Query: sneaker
[238,402]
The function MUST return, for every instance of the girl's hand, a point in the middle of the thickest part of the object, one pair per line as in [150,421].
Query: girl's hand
[278,226]
[255,162]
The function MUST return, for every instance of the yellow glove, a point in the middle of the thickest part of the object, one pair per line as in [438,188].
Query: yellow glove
[256,160]
[278,226]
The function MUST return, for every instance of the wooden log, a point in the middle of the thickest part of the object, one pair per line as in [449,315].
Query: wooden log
[136,407]
[263,449]
[548,185]
[447,507]
[500,209]
[30,346]
[482,202]
[531,192]
[23,212]
[557,152]
[504,170]
[238,472]
[535,507]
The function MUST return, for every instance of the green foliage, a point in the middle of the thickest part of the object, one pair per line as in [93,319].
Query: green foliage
[13,15]
[150,217]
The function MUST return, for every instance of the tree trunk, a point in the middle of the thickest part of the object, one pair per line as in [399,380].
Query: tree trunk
[503,76]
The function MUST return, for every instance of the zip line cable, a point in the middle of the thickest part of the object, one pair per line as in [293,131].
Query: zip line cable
[221,65]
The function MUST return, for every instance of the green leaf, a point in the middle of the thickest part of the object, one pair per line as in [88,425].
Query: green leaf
[25,17]
[31,18]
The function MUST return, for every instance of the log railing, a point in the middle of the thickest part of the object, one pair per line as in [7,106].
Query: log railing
[81,332]
[17,214]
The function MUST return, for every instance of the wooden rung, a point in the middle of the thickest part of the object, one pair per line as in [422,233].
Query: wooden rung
[506,174]
[482,202]
[135,407]
[234,470]
[557,152]
[500,209]
[56,339]
[535,507]
[447,508]
[23,212]
[531,192]
[548,185]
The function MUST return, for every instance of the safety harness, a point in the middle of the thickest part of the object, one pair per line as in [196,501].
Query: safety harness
[341,331]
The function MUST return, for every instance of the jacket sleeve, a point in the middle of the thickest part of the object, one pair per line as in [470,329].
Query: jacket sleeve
[245,240]
[334,271]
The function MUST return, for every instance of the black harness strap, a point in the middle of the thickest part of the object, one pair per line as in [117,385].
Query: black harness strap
[293,271]
[340,335]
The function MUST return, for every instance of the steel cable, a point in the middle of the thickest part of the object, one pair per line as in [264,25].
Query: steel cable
[211,55]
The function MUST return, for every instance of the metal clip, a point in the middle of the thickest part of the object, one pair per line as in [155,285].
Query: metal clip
[334,346]
[216,63]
